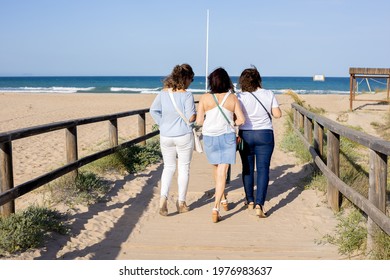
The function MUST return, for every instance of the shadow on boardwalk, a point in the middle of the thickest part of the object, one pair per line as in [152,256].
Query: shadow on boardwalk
[127,224]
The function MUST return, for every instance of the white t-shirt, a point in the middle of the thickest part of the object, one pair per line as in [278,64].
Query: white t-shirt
[256,117]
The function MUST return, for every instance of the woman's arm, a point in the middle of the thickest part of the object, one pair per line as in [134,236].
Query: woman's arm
[190,107]
[240,118]
[200,112]
[276,112]
[156,109]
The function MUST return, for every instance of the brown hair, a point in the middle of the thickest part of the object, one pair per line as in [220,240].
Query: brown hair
[219,81]
[168,82]
[250,79]
[179,77]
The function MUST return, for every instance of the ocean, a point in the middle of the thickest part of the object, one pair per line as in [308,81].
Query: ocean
[152,84]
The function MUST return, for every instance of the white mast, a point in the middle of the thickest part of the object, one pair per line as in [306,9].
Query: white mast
[207,48]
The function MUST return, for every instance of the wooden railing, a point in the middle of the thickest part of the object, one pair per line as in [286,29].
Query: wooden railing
[8,193]
[313,127]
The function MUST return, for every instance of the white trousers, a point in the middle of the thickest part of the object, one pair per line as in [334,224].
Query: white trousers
[180,147]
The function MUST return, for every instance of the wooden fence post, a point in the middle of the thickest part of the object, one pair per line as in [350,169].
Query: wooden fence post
[142,127]
[6,177]
[300,120]
[319,139]
[71,148]
[308,129]
[113,132]
[295,117]
[333,163]
[376,191]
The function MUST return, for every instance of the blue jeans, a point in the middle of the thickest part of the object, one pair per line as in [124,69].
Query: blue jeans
[258,146]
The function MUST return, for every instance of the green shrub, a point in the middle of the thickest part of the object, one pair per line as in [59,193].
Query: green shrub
[131,159]
[382,246]
[86,189]
[292,143]
[351,234]
[26,230]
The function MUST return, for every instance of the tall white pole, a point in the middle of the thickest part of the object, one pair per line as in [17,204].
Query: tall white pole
[207,48]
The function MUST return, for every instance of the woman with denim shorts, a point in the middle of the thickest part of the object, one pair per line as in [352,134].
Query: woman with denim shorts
[176,137]
[219,136]
[258,105]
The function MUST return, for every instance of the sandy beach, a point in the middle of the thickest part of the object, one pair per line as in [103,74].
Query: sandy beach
[127,226]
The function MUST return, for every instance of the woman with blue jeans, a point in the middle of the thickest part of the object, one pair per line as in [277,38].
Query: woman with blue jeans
[258,105]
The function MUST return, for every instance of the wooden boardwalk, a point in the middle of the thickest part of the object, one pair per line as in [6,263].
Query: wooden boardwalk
[128,226]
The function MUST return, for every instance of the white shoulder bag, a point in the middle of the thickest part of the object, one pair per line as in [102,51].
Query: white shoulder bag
[197,137]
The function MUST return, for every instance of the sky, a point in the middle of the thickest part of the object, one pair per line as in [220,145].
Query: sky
[149,37]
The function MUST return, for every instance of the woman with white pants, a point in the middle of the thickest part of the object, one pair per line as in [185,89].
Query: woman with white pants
[176,138]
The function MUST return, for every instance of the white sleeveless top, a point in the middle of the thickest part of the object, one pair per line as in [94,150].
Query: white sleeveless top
[215,123]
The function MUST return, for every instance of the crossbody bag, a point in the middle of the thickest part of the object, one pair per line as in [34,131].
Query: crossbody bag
[269,115]
[239,142]
[197,137]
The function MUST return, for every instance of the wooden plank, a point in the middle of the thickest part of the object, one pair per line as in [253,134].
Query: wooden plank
[333,163]
[308,129]
[376,191]
[369,71]
[71,148]
[113,132]
[351,92]
[6,177]
[142,127]
[319,139]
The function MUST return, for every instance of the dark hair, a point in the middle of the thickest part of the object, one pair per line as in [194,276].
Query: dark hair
[250,79]
[219,81]
[180,76]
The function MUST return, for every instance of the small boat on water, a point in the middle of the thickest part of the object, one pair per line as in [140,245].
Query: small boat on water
[319,78]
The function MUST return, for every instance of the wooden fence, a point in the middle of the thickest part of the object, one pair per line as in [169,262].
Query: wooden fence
[8,193]
[313,127]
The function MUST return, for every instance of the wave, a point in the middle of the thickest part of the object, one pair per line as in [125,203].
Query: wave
[310,91]
[45,89]
[140,90]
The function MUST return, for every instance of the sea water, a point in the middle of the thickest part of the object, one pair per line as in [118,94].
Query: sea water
[153,84]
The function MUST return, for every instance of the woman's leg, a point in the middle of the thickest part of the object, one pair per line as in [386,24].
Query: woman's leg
[248,164]
[264,149]
[220,182]
[184,148]
[168,150]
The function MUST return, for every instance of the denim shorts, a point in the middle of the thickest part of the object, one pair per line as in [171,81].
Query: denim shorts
[220,149]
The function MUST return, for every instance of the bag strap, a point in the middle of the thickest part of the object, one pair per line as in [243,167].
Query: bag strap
[269,115]
[219,107]
[177,109]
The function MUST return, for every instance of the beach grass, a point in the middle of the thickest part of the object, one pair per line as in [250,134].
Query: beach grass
[129,160]
[351,231]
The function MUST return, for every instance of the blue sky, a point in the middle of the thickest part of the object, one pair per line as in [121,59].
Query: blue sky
[149,37]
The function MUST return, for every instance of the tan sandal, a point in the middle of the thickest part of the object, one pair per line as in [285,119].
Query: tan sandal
[215,215]
[182,207]
[163,206]
[260,212]
[225,204]
[250,205]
